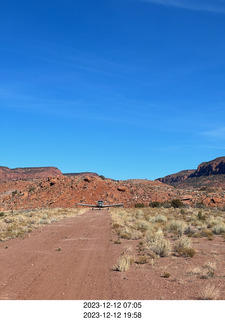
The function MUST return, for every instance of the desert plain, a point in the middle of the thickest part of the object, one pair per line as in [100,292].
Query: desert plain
[166,243]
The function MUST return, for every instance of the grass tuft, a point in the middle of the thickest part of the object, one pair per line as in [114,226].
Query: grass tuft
[123,263]
[159,245]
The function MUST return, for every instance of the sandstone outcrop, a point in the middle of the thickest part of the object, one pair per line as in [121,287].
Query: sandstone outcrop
[176,177]
[214,167]
[28,173]
[208,174]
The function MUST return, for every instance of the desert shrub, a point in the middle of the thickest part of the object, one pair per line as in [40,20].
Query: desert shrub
[182,211]
[176,203]
[116,225]
[183,247]
[158,244]
[139,205]
[143,225]
[189,231]
[102,177]
[166,274]
[177,226]
[206,232]
[200,205]
[44,221]
[150,234]
[219,228]
[155,204]
[139,214]
[24,221]
[14,193]
[183,243]
[141,246]
[187,252]
[125,235]
[201,216]
[2,214]
[123,263]
[159,218]
[167,204]
[210,292]
[136,234]
[142,259]
[128,233]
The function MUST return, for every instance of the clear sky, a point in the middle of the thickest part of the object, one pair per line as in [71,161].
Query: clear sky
[124,88]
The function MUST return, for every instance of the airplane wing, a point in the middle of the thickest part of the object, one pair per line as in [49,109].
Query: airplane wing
[86,205]
[113,205]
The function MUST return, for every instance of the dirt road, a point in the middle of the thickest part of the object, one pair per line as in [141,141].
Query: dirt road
[73,259]
[67,260]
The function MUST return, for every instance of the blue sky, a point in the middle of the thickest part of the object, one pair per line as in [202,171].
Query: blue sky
[124,88]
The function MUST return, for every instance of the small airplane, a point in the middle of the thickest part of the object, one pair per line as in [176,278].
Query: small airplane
[100,205]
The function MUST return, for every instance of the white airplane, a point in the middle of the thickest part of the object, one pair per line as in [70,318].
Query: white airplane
[100,205]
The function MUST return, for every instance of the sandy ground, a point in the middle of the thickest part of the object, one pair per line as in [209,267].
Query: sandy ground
[73,260]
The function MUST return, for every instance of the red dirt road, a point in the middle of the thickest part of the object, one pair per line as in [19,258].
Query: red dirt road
[67,260]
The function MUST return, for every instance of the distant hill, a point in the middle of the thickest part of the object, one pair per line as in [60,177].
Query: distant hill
[90,174]
[208,174]
[172,179]
[213,167]
[7,174]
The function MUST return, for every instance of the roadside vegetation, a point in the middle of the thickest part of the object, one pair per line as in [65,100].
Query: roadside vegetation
[158,232]
[164,230]
[17,223]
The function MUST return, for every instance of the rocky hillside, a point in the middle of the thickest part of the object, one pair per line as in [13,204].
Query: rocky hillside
[82,174]
[28,173]
[66,192]
[214,167]
[208,174]
[27,188]
[176,177]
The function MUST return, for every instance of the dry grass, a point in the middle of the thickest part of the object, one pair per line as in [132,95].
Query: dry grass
[159,245]
[129,233]
[187,252]
[183,243]
[219,228]
[142,259]
[123,263]
[183,247]
[177,226]
[157,228]
[166,274]
[17,223]
[158,218]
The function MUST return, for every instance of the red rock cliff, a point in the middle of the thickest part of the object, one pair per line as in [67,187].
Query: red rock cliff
[213,167]
[28,173]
